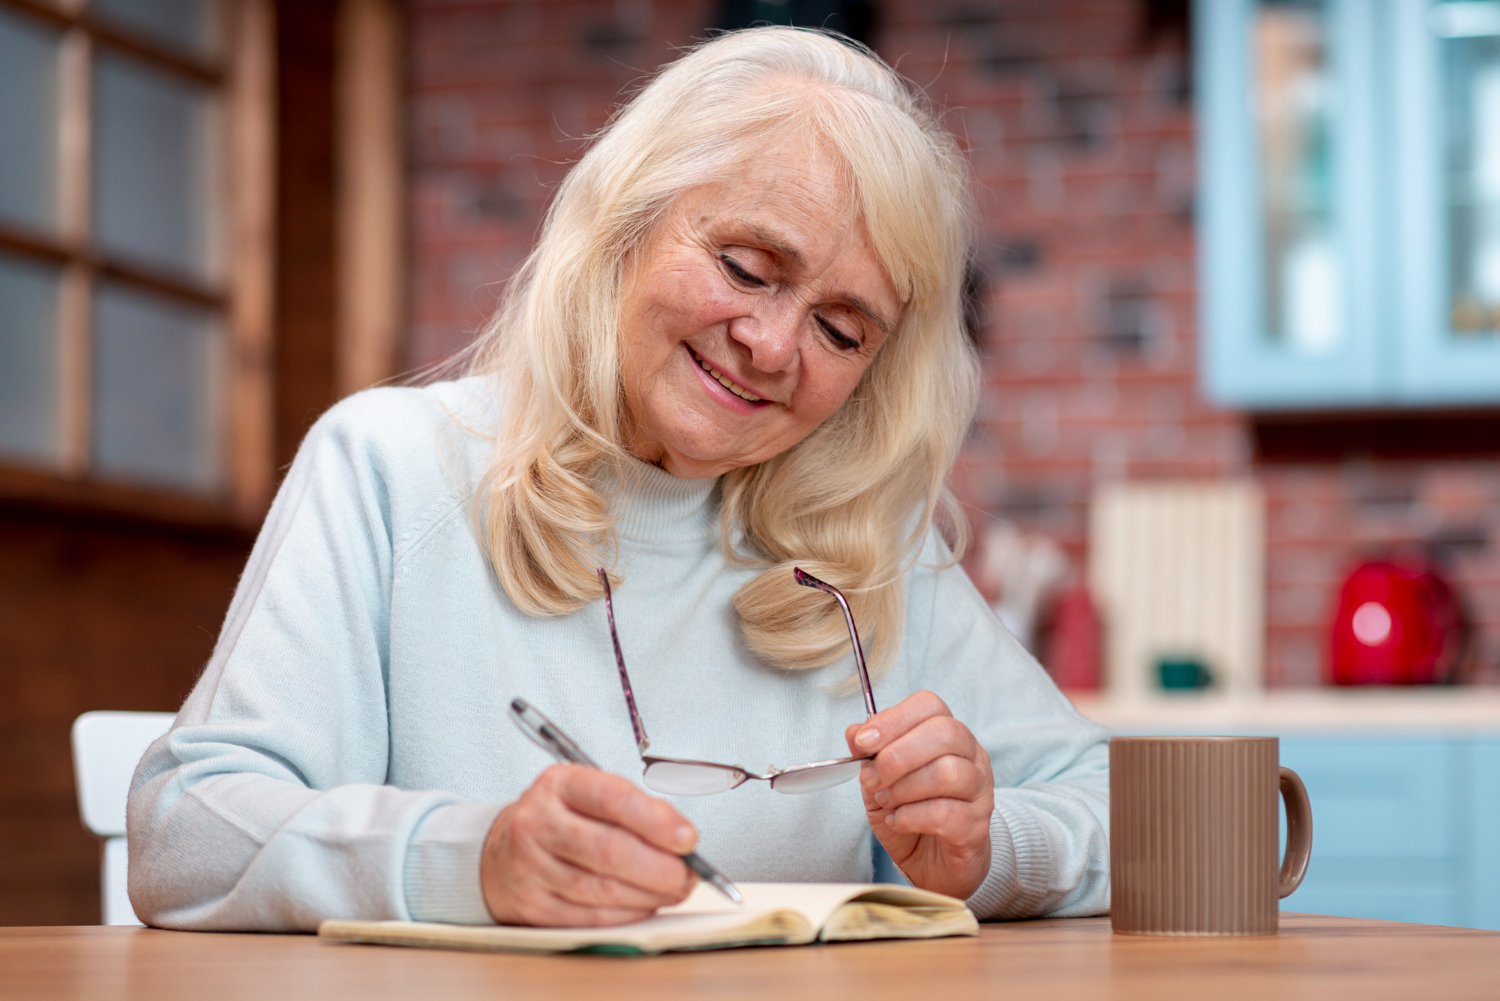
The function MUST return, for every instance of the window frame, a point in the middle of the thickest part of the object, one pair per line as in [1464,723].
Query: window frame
[244,74]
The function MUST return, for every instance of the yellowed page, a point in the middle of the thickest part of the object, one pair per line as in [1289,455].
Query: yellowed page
[814,901]
[658,933]
[773,913]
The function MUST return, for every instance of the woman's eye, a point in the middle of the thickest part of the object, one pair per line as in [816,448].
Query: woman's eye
[837,336]
[740,274]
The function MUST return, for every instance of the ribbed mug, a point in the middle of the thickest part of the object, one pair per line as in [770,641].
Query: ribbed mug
[1192,835]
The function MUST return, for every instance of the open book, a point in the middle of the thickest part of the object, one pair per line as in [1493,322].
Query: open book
[772,914]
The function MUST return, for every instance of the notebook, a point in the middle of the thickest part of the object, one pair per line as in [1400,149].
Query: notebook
[772,914]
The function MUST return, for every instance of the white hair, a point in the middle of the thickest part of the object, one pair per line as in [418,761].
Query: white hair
[853,501]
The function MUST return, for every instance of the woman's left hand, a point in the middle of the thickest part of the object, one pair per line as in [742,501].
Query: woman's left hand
[929,793]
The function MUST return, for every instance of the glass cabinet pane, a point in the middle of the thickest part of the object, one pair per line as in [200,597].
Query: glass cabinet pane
[154,184]
[29,378]
[1293,89]
[189,25]
[28,121]
[158,377]
[1469,61]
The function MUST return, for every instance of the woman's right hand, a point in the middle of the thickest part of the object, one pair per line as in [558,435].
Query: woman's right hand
[581,848]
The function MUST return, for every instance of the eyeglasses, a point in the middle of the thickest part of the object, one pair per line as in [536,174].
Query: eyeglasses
[683,777]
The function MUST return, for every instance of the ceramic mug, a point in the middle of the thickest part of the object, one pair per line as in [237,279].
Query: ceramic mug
[1193,835]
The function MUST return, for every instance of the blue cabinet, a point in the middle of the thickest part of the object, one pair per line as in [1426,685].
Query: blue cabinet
[1289,253]
[1484,832]
[1398,832]
[1349,202]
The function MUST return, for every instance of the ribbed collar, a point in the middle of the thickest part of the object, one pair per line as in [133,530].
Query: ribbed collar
[652,505]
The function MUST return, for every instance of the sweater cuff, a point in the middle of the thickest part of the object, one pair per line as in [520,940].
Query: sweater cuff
[442,865]
[1016,884]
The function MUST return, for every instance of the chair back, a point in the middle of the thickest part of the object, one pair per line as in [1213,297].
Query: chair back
[106,748]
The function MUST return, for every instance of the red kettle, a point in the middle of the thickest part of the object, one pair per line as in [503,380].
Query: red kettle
[1398,623]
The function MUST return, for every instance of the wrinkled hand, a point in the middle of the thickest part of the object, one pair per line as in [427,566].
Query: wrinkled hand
[581,848]
[929,793]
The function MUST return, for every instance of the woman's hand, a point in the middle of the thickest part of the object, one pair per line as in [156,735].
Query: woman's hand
[929,793]
[582,847]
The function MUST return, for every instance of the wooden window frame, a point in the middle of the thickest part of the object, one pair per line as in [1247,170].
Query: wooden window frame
[245,76]
[368,108]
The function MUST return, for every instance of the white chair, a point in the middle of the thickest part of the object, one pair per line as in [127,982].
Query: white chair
[106,748]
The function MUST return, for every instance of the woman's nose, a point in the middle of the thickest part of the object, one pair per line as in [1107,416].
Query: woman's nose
[770,336]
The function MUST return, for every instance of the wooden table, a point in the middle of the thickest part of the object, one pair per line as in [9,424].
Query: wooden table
[1318,958]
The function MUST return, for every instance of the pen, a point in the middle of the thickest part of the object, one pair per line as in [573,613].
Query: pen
[545,734]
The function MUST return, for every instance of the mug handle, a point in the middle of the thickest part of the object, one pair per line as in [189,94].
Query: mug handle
[1298,832]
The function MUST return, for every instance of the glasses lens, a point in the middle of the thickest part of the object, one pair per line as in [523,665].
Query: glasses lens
[816,777]
[679,778]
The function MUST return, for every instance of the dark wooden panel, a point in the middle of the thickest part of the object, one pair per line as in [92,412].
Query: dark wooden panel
[306,364]
[94,614]
[1411,435]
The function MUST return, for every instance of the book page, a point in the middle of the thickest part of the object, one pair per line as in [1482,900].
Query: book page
[814,901]
[773,913]
[842,911]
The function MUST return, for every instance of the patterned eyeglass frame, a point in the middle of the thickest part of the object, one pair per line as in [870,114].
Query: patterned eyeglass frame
[644,743]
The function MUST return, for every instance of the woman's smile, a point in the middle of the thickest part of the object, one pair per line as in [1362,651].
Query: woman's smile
[724,389]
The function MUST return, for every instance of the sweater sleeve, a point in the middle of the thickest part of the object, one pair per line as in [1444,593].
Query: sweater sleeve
[1049,834]
[265,807]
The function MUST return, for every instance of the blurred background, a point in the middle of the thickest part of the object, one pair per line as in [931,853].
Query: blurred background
[1237,294]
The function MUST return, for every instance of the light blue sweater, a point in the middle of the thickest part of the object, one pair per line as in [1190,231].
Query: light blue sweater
[347,747]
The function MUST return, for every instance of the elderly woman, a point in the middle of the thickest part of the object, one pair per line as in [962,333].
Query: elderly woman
[737,347]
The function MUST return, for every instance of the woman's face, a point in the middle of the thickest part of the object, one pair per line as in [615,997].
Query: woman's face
[749,315]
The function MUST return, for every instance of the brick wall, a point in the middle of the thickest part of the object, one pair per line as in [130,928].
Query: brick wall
[503,95]
[1078,118]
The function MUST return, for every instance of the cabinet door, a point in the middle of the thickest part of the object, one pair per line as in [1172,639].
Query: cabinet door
[1484,832]
[1446,88]
[1294,312]
[1389,838]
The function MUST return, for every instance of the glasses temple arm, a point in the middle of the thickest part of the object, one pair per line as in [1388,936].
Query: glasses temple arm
[641,740]
[808,580]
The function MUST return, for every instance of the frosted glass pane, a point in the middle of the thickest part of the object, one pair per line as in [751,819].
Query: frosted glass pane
[190,25]
[1293,102]
[1470,61]
[28,359]
[28,121]
[154,158]
[158,390]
